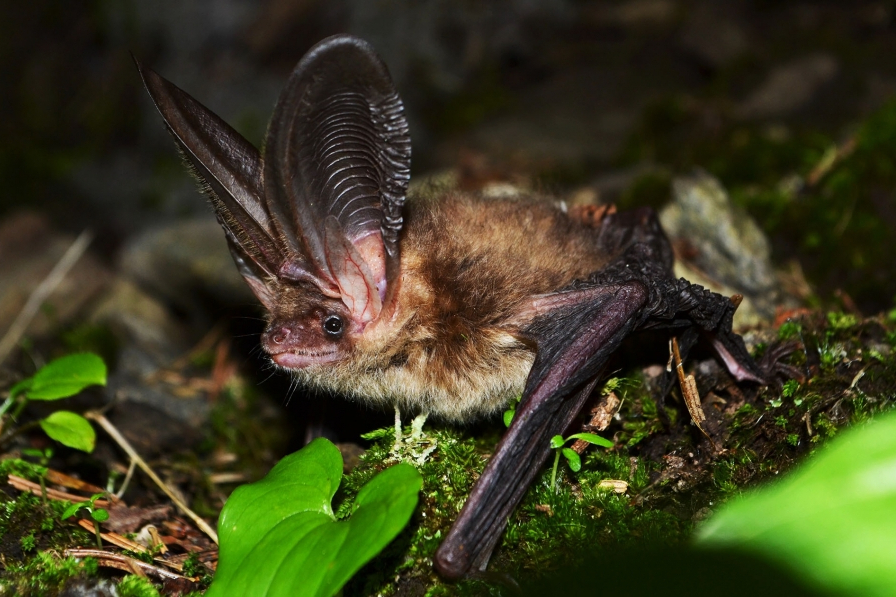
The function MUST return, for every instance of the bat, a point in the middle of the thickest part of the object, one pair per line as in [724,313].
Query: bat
[451,304]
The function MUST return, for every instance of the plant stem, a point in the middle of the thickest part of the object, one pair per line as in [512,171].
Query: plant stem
[99,537]
[554,472]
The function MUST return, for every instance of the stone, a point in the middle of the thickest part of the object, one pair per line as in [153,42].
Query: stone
[720,246]
[789,87]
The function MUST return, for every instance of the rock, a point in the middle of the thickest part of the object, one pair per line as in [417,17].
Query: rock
[790,87]
[185,263]
[151,341]
[136,318]
[728,252]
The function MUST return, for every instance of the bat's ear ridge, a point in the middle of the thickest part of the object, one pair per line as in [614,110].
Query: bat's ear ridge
[228,167]
[338,147]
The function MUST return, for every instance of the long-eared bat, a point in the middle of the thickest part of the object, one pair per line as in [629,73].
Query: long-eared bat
[449,305]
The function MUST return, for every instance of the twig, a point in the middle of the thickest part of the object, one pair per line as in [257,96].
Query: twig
[43,290]
[53,494]
[126,446]
[127,480]
[114,538]
[690,394]
[114,560]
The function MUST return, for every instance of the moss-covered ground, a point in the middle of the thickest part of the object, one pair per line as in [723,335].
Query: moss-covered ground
[675,476]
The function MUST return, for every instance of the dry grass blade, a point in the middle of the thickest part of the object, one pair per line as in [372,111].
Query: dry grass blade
[135,457]
[121,562]
[43,290]
[114,538]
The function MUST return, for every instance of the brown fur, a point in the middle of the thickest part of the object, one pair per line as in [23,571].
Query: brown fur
[469,267]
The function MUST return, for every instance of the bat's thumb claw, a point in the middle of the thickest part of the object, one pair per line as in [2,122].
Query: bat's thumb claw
[773,366]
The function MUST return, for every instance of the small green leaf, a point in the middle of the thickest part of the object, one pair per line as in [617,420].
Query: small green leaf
[378,433]
[790,388]
[508,417]
[70,429]
[66,376]
[575,463]
[592,438]
[834,519]
[100,515]
[72,509]
[557,441]
[279,536]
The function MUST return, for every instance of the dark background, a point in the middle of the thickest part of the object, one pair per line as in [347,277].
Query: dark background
[610,98]
[552,85]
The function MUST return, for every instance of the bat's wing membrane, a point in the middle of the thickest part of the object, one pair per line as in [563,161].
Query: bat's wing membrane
[337,160]
[574,344]
[575,339]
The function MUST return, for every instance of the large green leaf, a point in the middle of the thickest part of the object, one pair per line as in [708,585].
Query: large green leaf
[66,376]
[834,520]
[279,536]
[70,429]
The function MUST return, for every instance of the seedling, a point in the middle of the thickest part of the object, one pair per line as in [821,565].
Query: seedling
[97,514]
[43,459]
[575,462]
[511,410]
[62,378]
[281,537]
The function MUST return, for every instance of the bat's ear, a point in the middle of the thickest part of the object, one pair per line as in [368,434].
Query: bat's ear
[337,165]
[229,169]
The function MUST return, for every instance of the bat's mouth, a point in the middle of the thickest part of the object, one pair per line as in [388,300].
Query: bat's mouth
[300,360]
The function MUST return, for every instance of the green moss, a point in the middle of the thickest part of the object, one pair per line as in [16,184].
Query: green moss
[136,586]
[193,568]
[44,574]
[641,416]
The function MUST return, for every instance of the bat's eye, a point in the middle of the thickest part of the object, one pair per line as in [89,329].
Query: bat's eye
[333,326]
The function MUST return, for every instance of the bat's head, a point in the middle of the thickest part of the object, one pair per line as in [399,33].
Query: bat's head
[313,225]
[308,328]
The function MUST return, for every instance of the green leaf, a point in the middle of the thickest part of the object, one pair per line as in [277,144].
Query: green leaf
[279,536]
[72,509]
[70,429]
[575,463]
[557,441]
[100,515]
[66,376]
[592,438]
[833,520]
[508,417]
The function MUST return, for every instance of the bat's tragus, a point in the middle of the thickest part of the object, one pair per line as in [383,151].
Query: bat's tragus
[449,305]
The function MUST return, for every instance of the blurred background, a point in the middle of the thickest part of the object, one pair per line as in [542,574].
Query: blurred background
[788,104]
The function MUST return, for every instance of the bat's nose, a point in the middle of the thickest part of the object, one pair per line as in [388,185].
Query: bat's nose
[278,336]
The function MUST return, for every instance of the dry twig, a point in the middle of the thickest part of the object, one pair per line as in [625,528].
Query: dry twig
[134,456]
[690,394]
